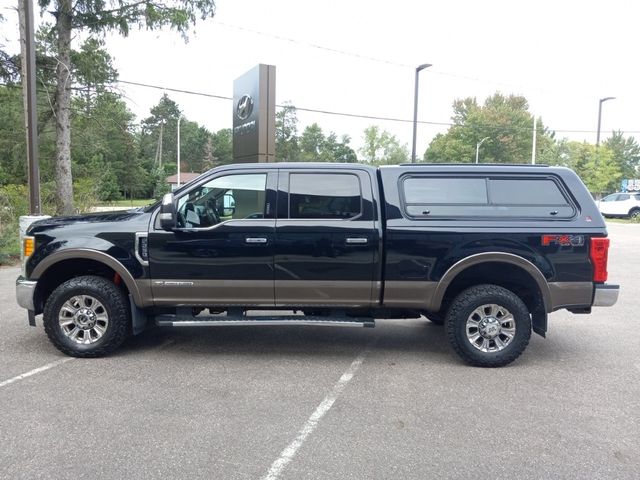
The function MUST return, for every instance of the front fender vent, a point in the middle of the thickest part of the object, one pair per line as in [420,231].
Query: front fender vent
[142,248]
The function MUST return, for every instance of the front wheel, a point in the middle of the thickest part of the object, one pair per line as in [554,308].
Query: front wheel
[87,316]
[634,214]
[488,326]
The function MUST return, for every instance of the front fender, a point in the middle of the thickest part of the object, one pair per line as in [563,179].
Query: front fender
[122,262]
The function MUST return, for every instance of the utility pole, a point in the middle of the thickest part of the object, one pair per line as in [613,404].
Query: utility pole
[533,149]
[28,50]
[178,149]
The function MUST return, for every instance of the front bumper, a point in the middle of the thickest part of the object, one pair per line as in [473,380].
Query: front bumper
[25,290]
[605,295]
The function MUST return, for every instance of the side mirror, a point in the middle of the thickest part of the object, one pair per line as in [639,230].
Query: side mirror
[168,214]
[228,205]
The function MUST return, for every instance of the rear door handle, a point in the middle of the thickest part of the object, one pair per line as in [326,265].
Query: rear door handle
[255,240]
[357,240]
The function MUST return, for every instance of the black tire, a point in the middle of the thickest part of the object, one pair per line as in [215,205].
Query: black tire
[463,308]
[115,306]
[634,214]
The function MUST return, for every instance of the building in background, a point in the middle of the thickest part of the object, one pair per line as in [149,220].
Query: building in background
[185,177]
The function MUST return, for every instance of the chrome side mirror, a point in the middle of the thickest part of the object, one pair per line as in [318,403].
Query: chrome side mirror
[168,215]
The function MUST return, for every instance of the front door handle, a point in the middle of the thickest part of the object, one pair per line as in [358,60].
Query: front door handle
[255,240]
[357,240]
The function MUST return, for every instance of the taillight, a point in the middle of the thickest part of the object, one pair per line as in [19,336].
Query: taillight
[599,254]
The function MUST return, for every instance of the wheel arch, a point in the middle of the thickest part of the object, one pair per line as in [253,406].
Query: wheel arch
[473,262]
[62,265]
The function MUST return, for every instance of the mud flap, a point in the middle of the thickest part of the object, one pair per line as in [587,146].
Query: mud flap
[138,318]
[539,321]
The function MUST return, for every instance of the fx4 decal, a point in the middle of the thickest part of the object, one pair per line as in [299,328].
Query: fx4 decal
[563,240]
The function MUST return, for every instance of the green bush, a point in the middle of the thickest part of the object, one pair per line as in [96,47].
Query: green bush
[85,195]
[14,202]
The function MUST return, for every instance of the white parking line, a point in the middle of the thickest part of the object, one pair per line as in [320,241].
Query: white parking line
[310,425]
[164,344]
[35,370]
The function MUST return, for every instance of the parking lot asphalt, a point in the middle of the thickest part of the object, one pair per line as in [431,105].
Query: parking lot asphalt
[393,402]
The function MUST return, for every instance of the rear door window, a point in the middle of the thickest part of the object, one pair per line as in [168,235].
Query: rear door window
[324,195]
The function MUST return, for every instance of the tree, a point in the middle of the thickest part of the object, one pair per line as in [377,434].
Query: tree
[222,147]
[193,145]
[12,135]
[98,17]
[104,144]
[287,148]
[602,174]
[315,147]
[625,152]
[337,151]
[200,150]
[597,167]
[505,120]
[381,147]
[556,153]
[93,69]
[160,126]
[311,143]
[9,64]
[193,137]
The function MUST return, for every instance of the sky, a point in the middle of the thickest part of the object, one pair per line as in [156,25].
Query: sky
[359,57]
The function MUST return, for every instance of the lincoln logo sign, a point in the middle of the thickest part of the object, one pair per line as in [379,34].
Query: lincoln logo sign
[244,107]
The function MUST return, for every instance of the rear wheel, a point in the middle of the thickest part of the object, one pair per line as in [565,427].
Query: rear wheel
[634,214]
[488,326]
[86,316]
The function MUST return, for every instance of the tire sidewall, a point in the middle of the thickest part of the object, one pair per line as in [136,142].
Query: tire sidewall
[457,320]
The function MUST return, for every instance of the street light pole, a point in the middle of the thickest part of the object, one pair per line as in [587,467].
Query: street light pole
[178,148]
[478,147]
[415,109]
[602,100]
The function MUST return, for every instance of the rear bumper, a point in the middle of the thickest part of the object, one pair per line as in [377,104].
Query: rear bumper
[25,290]
[605,295]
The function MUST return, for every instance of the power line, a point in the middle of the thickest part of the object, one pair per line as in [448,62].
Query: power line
[346,114]
[178,90]
[302,109]
[355,115]
[314,45]
[360,56]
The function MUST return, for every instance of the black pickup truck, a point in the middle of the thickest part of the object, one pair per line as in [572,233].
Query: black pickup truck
[487,250]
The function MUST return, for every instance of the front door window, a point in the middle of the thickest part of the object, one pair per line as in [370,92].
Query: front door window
[231,197]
